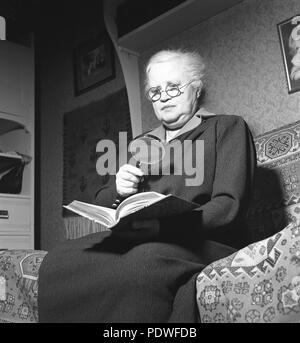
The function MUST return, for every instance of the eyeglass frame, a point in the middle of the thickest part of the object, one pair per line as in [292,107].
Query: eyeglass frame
[166,91]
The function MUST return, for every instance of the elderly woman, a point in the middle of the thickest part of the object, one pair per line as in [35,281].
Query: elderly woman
[148,273]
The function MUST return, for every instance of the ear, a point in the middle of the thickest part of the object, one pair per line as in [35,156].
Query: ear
[199,89]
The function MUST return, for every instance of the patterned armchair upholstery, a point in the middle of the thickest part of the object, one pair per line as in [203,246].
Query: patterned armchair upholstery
[260,283]
[18,285]
[275,202]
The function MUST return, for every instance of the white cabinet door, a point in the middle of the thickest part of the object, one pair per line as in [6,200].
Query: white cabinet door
[15,242]
[16,80]
[14,214]
[17,135]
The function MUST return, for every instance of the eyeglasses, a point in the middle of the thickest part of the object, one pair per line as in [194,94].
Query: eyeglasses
[154,93]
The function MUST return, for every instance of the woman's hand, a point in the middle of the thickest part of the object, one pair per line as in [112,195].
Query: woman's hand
[127,180]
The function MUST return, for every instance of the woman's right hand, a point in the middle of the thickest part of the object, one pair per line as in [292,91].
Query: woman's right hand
[127,180]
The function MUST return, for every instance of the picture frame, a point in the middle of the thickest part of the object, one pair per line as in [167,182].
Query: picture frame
[94,64]
[289,36]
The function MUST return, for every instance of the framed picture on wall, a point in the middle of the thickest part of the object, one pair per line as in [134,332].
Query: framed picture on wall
[93,64]
[289,36]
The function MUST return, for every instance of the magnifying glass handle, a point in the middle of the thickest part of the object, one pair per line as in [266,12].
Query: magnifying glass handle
[142,184]
[143,180]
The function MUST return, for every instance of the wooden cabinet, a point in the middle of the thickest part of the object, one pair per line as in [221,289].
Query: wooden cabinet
[17,136]
[171,23]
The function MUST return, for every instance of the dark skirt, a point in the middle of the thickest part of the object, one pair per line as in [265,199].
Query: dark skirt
[107,279]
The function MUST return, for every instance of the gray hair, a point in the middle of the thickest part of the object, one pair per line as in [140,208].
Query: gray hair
[191,60]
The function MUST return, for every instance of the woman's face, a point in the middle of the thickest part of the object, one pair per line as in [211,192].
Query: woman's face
[173,112]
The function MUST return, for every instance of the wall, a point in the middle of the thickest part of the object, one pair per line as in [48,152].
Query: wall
[245,71]
[55,81]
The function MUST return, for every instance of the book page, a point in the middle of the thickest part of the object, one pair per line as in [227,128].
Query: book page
[99,214]
[136,202]
[145,205]
[162,207]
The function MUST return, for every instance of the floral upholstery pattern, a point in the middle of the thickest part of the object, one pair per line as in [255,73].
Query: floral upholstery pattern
[18,285]
[259,283]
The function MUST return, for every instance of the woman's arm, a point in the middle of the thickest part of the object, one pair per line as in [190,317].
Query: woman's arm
[234,175]
[233,181]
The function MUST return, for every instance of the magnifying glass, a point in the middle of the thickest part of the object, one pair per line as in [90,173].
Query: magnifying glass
[147,152]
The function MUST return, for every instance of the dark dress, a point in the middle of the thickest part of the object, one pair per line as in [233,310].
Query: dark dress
[106,278]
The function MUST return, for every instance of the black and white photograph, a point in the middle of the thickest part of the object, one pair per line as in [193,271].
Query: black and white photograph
[289,33]
[93,64]
[149,166]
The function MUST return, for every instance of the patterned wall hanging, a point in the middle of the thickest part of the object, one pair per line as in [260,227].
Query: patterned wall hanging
[83,129]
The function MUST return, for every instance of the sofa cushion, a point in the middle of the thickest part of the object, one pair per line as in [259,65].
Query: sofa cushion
[276,198]
[19,286]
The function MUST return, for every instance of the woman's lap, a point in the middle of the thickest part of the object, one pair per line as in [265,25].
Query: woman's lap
[101,278]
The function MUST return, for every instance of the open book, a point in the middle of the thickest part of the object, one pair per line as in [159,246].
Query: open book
[145,205]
